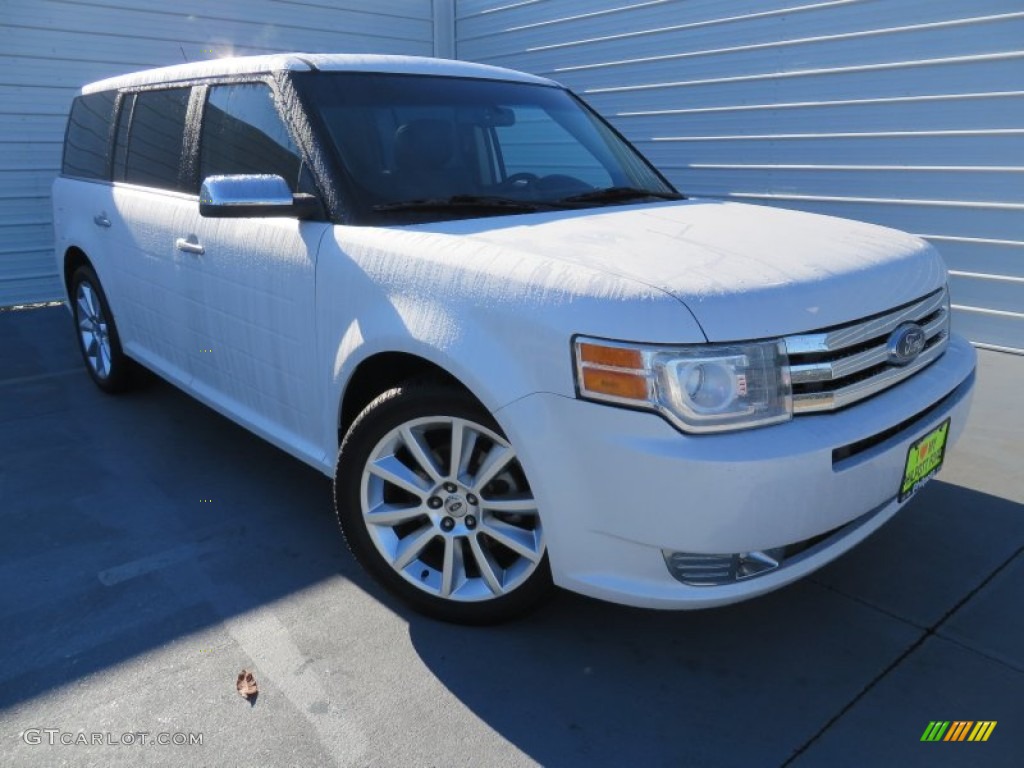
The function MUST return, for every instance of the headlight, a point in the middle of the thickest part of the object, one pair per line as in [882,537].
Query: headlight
[700,388]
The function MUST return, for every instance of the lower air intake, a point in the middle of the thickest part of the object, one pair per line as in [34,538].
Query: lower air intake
[712,570]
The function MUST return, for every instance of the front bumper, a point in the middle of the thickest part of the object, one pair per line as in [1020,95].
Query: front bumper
[616,487]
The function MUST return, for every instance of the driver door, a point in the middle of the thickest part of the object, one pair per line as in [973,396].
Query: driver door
[254,280]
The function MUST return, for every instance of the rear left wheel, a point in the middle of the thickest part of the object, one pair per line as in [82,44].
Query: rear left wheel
[434,503]
[96,332]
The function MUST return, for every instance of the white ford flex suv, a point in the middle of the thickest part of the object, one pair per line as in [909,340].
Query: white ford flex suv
[524,358]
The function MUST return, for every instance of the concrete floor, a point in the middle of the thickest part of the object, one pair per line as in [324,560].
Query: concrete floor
[150,549]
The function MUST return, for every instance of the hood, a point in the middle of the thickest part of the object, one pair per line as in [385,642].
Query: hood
[744,271]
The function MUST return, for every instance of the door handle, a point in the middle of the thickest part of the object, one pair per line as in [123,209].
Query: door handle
[100,219]
[191,245]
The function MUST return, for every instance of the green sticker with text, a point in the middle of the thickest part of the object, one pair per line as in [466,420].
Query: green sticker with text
[923,460]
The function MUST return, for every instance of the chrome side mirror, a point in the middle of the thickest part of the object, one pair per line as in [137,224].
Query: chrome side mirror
[253,195]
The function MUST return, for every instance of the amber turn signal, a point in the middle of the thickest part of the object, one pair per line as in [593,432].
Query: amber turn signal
[618,357]
[630,386]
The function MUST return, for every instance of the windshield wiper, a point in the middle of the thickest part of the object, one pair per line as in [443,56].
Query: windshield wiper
[479,202]
[614,194]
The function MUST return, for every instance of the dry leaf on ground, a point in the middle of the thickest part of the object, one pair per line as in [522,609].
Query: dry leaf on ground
[246,684]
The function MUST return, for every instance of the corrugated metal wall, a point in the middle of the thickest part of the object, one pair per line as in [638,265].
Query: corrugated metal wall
[908,113]
[50,48]
[904,112]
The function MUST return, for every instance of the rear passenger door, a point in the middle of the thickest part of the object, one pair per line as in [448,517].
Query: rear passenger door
[151,199]
[83,198]
[255,278]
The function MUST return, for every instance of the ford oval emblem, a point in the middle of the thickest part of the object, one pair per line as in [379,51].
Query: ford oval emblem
[906,343]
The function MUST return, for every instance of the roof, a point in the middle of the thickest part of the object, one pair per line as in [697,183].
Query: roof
[306,62]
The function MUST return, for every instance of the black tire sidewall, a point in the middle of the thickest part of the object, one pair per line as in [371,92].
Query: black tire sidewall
[391,409]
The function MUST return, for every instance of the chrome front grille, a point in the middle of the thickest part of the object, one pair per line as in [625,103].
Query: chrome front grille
[839,366]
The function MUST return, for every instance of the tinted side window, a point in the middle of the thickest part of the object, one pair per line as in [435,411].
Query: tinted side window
[242,133]
[156,138]
[86,150]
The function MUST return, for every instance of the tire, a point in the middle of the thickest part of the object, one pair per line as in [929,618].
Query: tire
[98,340]
[464,545]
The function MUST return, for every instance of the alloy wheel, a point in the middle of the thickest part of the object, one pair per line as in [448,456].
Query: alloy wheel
[93,330]
[447,505]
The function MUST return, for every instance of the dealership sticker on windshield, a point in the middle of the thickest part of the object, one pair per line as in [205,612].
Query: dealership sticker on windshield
[923,460]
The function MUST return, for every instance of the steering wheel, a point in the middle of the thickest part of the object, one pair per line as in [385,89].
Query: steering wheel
[562,184]
[521,180]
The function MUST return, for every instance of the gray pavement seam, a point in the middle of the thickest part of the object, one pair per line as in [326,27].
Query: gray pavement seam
[42,376]
[867,603]
[927,633]
[897,617]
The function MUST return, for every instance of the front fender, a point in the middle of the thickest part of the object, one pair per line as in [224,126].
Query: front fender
[498,320]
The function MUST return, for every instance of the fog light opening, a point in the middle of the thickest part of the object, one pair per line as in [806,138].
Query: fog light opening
[702,570]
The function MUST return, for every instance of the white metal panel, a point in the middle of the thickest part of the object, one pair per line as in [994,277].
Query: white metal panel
[50,48]
[908,113]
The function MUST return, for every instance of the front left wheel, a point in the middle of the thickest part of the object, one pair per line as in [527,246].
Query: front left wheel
[434,503]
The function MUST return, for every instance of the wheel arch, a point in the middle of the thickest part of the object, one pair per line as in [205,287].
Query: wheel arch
[384,370]
[74,257]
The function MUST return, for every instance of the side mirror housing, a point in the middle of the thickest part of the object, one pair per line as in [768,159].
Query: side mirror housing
[255,196]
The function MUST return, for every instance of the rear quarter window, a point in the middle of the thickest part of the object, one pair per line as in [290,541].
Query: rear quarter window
[87,145]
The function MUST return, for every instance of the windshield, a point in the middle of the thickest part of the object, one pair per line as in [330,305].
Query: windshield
[422,148]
